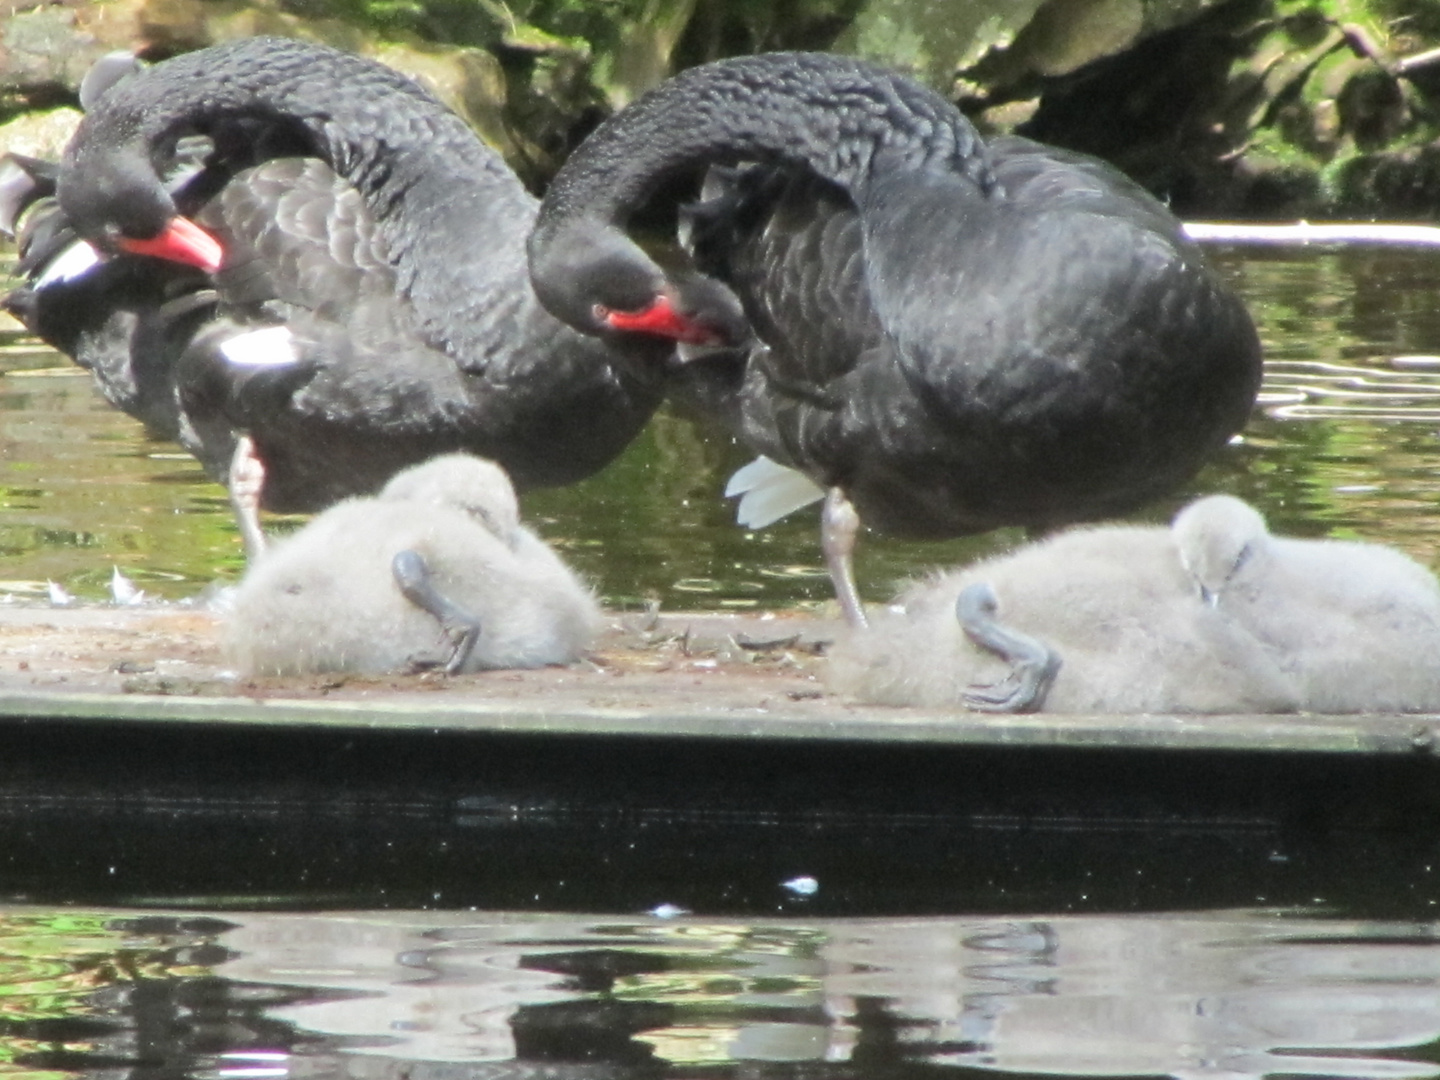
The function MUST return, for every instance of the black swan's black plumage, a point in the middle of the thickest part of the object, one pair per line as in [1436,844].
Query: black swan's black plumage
[369,222]
[126,319]
[957,335]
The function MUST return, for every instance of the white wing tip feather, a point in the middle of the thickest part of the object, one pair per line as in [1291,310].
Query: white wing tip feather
[73,263]
[274,346]
[768,491]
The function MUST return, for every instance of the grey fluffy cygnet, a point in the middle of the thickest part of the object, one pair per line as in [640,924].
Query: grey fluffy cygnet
[1355,625]
[436,570]
[1092,620]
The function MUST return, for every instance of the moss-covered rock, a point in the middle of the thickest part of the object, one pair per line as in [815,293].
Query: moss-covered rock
[44,53]
[1244,107]
[40,134]
[1401,183]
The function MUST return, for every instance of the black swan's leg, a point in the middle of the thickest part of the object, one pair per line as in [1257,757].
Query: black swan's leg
[839,524]
[1033,664]
[247,481]
[413,577]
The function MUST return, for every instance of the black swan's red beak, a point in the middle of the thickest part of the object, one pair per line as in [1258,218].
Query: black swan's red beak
[662,320]
[182,241]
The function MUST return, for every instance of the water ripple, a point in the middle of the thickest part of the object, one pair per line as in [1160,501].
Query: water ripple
[1312,389]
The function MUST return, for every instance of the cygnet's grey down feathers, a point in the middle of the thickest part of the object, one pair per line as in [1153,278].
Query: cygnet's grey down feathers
[1355,625]
[1213,615]
[1115,603]
[326,598]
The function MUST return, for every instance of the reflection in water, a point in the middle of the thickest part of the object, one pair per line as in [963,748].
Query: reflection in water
[371,995]
[1310,389]
[1344,443]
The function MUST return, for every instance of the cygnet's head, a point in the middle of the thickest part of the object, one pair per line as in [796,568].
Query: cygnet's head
[475,485]
[1216,537]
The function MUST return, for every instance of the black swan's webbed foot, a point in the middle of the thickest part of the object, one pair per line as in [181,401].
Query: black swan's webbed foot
[414,578]
[1033,664]
[246,484]
[839,525]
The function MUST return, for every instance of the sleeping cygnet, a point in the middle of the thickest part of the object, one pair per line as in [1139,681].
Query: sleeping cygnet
[1356,625]
[1092,620]
[436,570]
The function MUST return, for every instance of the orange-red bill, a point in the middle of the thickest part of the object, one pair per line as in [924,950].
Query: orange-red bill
[662,320]
[182,241]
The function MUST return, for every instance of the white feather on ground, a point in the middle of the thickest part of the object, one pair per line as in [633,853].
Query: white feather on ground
[325,599]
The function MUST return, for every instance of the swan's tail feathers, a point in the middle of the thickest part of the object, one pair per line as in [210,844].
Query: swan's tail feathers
[768,491]
[50,251]
[23,180]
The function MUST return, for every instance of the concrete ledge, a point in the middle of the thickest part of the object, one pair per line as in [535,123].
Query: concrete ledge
[682,676]
[827,723]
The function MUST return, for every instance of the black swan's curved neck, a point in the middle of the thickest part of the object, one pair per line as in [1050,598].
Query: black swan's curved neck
[367,121]
[452,214]
[836,116]
[842,119]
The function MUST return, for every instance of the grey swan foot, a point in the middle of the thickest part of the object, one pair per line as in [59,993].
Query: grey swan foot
[1033,664]
[246,484]
[839,525]
[415,581]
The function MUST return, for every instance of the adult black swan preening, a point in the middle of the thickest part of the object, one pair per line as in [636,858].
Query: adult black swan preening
[950,336]
[371,306]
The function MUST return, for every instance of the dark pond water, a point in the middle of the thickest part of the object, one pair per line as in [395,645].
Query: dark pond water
[1344,444]
[633,914]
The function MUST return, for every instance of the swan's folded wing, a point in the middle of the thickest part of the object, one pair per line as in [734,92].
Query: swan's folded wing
[297,233]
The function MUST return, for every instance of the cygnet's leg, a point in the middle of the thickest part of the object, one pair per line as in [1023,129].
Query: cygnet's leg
[839,525]
[414,578]
[247,481]
[1033,664]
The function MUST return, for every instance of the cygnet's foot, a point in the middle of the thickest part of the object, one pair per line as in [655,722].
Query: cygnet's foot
[1033,664]
[247,483]
[839,525]
[414,578]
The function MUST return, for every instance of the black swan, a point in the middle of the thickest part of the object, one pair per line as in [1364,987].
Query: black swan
[950,336]
[436,569]
[371,306]
[1098,619]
